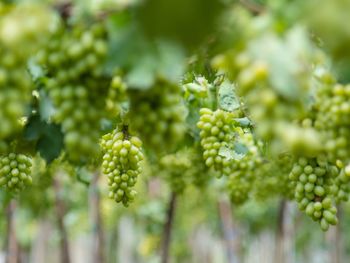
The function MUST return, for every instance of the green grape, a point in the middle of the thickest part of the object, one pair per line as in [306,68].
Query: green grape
[15,172]
[73,61]
[314,193]
[158,115]
[122,164]
[217,132]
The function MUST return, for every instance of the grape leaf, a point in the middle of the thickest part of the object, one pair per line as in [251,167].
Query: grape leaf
[227,97]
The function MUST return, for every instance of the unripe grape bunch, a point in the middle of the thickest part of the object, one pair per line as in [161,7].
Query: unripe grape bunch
[15,172]
[122,164]
[73,61]
[243,177]
[313,179]
[217,131]
[158,115]
[333,119]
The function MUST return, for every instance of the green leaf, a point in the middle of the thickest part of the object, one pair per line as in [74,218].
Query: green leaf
[227,97]
[46,108]
[33,128]
[240,148]
[171,63]
[244,122]
[142,76]
[48,137]
[35,70]
[288,60]
[51,143]
[230,154]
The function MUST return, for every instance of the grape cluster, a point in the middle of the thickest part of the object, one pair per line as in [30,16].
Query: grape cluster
[116,95]
[273,178]
[73,61]
[175,169]
[15,172]
[217,133]
[313,182]
[241,180]
[15,92]
[122,164]
[158,115]
[183,168]
[333,119]
[19,24]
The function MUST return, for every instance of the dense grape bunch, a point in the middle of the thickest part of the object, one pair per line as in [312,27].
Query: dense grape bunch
[15,91]
[19,24]
[333,119]
[313,182]
[122,164]
[183,168]
[158,115]
[244,173]
[273,178]
[175,169]
[218,132]
[73,61]
[15,172]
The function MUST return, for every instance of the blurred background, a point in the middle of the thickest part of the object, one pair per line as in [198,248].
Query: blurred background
[66,215]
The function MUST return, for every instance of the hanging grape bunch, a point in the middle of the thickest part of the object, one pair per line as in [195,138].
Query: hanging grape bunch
[313,182]
[218,132]
[122,164]
[73,61]
[158,115]
[14,92]
[244,169]
[333,119]
[15,172]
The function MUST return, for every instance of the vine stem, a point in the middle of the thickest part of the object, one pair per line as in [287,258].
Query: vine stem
[60,213]
[284,244]
[96,220]
[12,248]
[230,233]
[168,229]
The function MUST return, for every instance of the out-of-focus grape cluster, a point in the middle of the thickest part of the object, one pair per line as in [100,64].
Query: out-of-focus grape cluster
[315,188]
[158,115]
[183,168]
[29,24]
[73,60]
